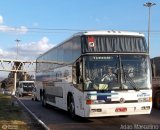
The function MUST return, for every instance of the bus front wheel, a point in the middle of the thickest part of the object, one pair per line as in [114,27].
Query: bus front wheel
[72,108]
[44,104]
[157,101]
[41,94]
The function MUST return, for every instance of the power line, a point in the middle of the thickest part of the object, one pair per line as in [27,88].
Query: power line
[61,30]
[57,29]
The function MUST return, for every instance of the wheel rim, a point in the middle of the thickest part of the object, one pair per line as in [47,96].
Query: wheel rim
[44,101]
[72,109]
[42,98]
[158,102]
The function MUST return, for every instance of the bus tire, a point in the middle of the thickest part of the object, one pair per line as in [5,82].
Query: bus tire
[157,101]
[41,95]
[36,99]
[44,104]
[19,95]
[72,107]
[42,99]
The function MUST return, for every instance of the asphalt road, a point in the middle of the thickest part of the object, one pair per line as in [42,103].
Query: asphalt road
[57,119]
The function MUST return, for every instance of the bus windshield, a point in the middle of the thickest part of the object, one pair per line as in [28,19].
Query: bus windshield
[116,72]
[30,85]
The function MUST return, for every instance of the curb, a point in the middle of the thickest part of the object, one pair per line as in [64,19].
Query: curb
[33,115]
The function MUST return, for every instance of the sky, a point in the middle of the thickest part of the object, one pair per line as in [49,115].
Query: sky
[42,24]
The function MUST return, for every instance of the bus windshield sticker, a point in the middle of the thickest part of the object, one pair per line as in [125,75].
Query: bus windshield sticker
[91,41]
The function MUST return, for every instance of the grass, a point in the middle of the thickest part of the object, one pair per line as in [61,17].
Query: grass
[12,116]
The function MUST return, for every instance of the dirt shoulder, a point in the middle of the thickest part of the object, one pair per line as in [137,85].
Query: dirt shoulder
[15,117]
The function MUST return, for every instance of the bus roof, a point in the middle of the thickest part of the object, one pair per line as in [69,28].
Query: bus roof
[99,33]
[109,32]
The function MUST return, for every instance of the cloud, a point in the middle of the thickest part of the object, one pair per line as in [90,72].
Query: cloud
[34,49]
[39,46]
[27,50]
[35,24]
[6,54]
[20,30]
[1,20]
[5,28]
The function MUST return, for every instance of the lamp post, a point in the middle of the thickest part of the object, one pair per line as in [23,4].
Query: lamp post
[17,40]
[15,73]
[149,5]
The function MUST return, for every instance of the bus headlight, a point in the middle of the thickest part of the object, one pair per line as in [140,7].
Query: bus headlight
[89,102]
[145,108]
[147,99]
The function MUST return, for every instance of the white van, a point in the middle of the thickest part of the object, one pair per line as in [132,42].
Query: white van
[25,88]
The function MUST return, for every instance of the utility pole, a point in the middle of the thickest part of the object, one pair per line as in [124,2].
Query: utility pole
[17,41]
[149,5]
[15,73]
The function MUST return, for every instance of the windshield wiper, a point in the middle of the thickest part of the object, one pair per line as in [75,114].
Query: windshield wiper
[129,79]
[133,84]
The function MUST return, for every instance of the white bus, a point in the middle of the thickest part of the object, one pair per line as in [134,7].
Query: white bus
[72,75]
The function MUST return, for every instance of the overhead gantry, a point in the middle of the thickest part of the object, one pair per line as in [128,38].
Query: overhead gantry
[15,66]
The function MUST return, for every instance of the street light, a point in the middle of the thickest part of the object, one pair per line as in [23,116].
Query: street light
[17,40]
[149,5]
[15,73]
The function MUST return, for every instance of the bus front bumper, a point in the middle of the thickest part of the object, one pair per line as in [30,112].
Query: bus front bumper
[102,110]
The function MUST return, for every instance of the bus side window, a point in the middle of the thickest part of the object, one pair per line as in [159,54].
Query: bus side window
[78,72]
[77,75]
[74,74]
